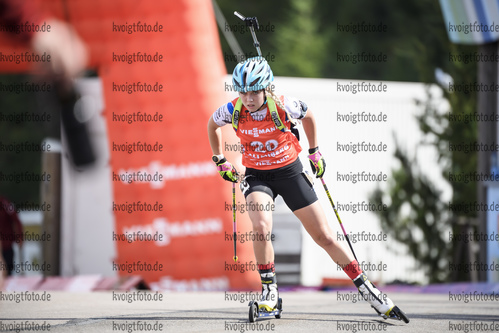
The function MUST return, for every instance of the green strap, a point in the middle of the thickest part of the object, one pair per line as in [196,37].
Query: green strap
[273,113]
[236,113]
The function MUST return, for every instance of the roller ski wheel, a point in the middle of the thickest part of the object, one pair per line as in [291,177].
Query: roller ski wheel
[279,307]
[255,312]
[395,313]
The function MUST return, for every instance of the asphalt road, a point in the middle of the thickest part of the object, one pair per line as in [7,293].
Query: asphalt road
[221,312]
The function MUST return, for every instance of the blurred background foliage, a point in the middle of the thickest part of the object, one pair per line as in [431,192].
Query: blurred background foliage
[307,38]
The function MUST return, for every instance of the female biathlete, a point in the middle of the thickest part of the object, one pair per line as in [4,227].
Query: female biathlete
[264,124]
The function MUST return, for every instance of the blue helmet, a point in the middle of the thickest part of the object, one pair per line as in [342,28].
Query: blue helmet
[252,75]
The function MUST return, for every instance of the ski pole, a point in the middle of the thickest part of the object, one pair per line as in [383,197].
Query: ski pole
[338,217]
[252,22]
[234,217]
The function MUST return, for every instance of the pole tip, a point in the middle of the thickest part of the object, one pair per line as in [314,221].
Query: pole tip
[235,258]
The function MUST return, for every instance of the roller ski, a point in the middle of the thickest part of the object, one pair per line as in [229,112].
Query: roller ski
[379,302]
[255,311]
[395,313]
[270,303]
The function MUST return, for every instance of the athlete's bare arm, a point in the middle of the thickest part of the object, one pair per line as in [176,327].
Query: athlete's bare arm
[215,137]
[310,129]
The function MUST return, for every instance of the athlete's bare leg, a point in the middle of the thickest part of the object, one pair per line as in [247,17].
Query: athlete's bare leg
[262,245]
[262,225]
[314,221]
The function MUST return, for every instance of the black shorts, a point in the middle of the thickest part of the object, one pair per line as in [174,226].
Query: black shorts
[290,182]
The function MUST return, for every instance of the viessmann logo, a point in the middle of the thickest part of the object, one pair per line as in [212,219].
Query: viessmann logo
[256,131]
[170,230]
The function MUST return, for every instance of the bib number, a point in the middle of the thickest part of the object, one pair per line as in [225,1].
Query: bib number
[259,147]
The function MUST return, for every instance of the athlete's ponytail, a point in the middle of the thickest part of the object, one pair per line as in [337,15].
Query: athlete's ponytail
[270,93]
[294,122]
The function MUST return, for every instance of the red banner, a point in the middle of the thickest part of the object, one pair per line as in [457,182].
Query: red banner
[162,71]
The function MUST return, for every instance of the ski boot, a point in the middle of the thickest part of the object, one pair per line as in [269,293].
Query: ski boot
[379,301]
[269,305]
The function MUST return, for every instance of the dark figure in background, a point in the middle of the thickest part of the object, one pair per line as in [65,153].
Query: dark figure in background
[2,271]
[11,231]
